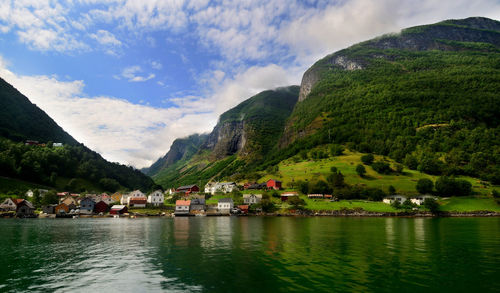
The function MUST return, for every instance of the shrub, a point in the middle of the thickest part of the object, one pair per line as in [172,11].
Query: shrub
[360,169]
[367,159]
[432,205]
[424,186]
[382,167]
[446,186]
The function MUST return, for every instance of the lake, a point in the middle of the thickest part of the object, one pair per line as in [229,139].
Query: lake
[250,254]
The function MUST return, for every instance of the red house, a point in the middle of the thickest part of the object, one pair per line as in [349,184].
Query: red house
[118,210]
[187,189]
[243,208]
[274,184]
[101,207]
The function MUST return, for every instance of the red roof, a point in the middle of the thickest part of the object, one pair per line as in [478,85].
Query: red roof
[181,202]
[243,207]
[290,193]
[17,201]
[138,200]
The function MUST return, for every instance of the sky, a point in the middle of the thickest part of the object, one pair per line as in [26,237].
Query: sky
[127,78]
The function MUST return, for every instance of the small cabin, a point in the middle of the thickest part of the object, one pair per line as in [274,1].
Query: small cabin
[118,210]
[273,184]
[101,207]
[249,199]
[393,198]
[225,205]
[61,208]
[182,207]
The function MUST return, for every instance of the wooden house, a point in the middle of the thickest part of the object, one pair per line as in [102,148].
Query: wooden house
[8,204]
[156,198]
[244,208]
[24,209]
[87,206]
[273,184]
[197,204]
[188,189]
[225,205]
[137,202]
[118,210]
[101,207]
[249,199]
[420,199]
[286,195]
[392,198]
[61,208]
[48,209]
[116,197]
[69,200]
[182,207]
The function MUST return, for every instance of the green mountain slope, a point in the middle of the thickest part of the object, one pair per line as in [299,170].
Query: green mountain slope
[21,120]
[428,97]
[242,137]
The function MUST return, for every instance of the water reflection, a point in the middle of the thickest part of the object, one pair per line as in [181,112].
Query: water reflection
[250,254]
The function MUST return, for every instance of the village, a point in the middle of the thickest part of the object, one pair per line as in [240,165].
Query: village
[217,199]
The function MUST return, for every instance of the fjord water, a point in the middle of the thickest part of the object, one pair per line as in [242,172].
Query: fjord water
[250,254]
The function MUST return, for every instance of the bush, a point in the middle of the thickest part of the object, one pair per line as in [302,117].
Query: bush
[337,150]
[446,186]
[424,186]
[432,205]
[360,169]
[382,167]
[367,159]
[296,202]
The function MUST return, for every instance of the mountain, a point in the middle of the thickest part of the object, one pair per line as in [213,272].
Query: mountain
[243,136]
[72,167]
[21,120]
[426,97]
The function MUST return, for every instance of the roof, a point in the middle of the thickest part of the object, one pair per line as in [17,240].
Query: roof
[17,201]
[87,199]
[395,195]
[243,207]
[227,199]
[274,180]
[138,200]
[181,202]
[187,186]
[197,201]
[118,207]
[227,183]
[290,193]
[250,194]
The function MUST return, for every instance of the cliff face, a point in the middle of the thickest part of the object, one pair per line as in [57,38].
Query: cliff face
[182,148]
[226,139]
[419,38]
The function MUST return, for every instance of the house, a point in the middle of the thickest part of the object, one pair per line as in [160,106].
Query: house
[182,207]
[72,206]
[8,205]
[63,194]
[188,189]
[106,198]
[156,198]
[197,204]
[225,205]
[328,196]
[24,209]
[392,198]
[118,210]
[273,184]
[244,208]
[75,195]
[170,191]
[69,200]
[211,187]
[101,207]
[116,197]
[48,209]
[57,144]
[419,200]
[87,206]
[137,202]
[61,208]
[256,186]
[315,196]
[227,187]
[29,193]
[286,195]
[125,197]
[252,198]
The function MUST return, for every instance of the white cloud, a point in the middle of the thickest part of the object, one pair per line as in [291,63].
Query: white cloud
[156,65]
[130,73]
[106,38]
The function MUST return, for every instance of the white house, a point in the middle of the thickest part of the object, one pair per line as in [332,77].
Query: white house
[392,198]
[227,187]
[419,200]
[182,207]
[57,144]
[252,198]
[8,205]
[156,198]
[29,193]
[211,187]
[225,205]
[134,194]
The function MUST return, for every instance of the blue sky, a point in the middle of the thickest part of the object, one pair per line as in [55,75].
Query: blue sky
[128,77]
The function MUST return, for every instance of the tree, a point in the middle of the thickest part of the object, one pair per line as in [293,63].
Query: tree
[382,167]
[399,168]
[267,206]
[50,197]
[446,186]
[411,161]
[109,184]
[367,159]
[296,202]
[336,179]
[303,187]
[37,200]
[319,186]
[424,186]
[336,150]
[360,169]
[432,205]
[392,190]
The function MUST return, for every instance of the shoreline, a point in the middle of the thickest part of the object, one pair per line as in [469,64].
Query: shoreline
[336,213]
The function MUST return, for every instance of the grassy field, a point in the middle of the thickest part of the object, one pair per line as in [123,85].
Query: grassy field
[9,184]
[290,171]
[468,204]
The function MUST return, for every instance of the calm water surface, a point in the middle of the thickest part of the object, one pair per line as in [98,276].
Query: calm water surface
[228,254]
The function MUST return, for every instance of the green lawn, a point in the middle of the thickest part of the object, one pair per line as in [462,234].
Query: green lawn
[469,204]
[290,171]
